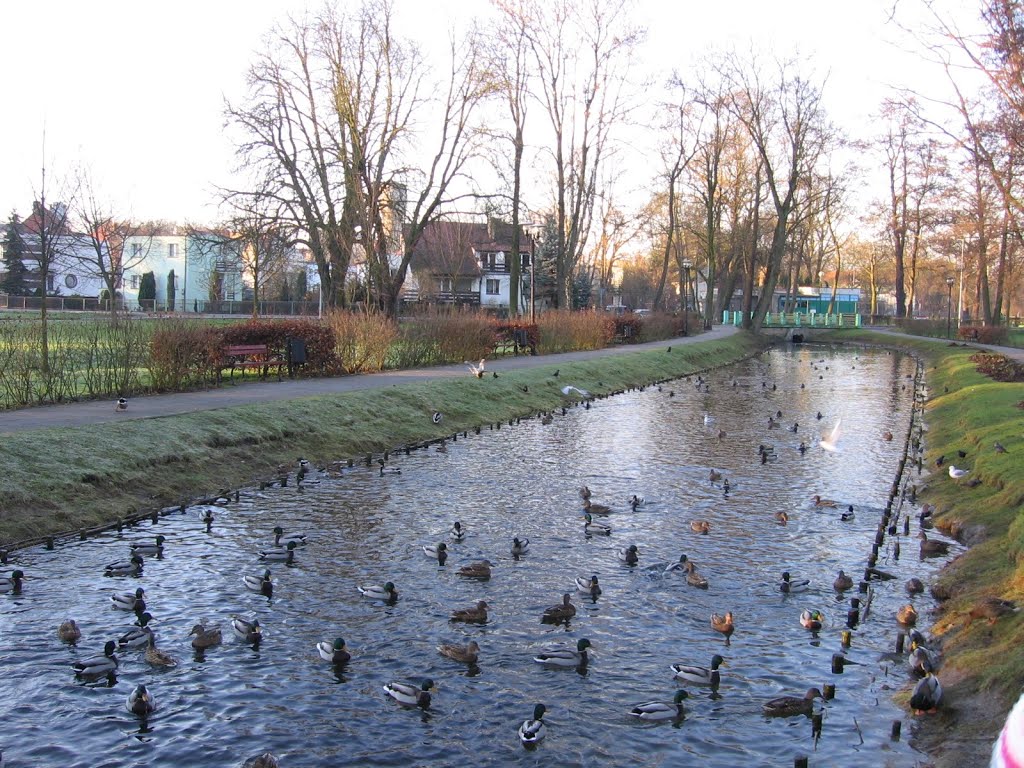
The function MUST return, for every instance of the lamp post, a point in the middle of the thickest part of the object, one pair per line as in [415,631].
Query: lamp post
[533,277]
[960,295]
[686,301]
[949,303]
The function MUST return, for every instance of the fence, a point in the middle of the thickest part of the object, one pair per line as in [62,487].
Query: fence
[797,320]
[149,306]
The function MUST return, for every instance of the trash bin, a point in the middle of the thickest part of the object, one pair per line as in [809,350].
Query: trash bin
[296,355]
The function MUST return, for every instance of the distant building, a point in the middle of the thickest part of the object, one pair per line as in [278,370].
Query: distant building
[811,300]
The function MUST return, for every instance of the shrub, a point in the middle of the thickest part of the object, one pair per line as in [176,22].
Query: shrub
[443,336]
[318,336]
[183,354]
[984,334]
[565,331]
[362,340]
[504,332]
[661,325]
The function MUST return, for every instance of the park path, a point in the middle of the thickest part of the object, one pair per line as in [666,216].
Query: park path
[1015,354]
[230,395]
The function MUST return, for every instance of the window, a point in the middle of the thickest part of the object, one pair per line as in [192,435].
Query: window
[71,281]
[492,261]
[172,250]
[446,285]
[136,249]
[135,282]
[524,259]
[493,287]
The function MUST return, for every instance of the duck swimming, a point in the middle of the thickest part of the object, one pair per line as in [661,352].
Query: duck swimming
[69,632]
[781,518]
[790,585]
[595,529]
[700,675]
[140,701]
[565,656]
[156,657]
[700,526]
[387,593]
[657,710]
[247,631]
[843,582]
[97,666]
[156,548]
[914,586]
[136,637]
[285,555]
[205,638]
[680,566]
[12,583]
[131,568]
[629,555]
[931,547]
[409,695]
[596,509]
[588,586]
[457,532]
[281,540]
[847,516]
[532,731]
[723,624]
[520,547]
[820,502]
[694,579]
[465,654]
[477,615]
[478,570]
[560,612]
[907,615]
[333,652]
[130,602]
[260,583]
[812,619]
[437,552]
[787,706]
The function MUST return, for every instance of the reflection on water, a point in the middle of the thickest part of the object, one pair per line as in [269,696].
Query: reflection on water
[232,701]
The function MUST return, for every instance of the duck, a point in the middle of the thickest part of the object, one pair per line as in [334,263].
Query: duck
[465,654]
[715,476]
[247,631]
[565,656]
[520,547]
[410,695]
[682,565]
[914,586]
[700,526]
[820,502]
[386,470]
[787,706]
[589,586]
[280,555]
[781,517]
[560,612]
[207,519]
[387,593]
[848,515]
[812,619]
[130,601]
[266,760]
[477,570]
[629,555]
[477,615]
[260,583]
[132,567]
[694,579]
[12,583]
[931,547]
[457,532]
[596,509]
[281,540]
[700,675]
[437,552]
[658,710]
[333,652]
[156,657]
[584,492]
[907,615]
[927,695]
[96,666]
[595,529]
[136,637]
[532,731]
[636,501]
[794,428]
[992,608]
[921,660]
[887,435]
[790,585]
[140,701]
[205,638]
[69,632]
[157,548]
[843,582]
[723,624]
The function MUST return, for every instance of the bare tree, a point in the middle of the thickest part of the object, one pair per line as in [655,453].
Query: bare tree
[262,242]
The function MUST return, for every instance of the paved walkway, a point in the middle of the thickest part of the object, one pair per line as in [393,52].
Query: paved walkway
[1015,354]
[154,406]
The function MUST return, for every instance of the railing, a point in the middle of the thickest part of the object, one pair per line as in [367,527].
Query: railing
[798,320]
[150,306]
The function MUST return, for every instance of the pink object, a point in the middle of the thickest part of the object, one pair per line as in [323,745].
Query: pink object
[1008,751]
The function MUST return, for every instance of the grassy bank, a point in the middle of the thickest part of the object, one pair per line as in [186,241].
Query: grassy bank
[983,662]
[63,480]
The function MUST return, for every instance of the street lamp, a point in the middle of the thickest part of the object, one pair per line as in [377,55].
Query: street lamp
[949,302]
[533,275]
[686,302]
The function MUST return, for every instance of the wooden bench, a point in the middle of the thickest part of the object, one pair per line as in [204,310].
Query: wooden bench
[243,356]
[517,342]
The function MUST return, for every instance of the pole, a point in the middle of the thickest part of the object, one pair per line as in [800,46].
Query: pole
[533,277]
[960,299]
[949,305]
[184,281]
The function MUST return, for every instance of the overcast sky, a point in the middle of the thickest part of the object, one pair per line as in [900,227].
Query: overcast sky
[135,90]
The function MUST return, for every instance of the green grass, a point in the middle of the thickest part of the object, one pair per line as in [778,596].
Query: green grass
[63,480]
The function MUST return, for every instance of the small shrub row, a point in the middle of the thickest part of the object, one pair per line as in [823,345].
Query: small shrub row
[439,336]
[362,340]
[318,337]
[565,331]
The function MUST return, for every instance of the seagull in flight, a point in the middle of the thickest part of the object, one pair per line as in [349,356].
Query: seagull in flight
[569,389]
[478,370]
[830,443]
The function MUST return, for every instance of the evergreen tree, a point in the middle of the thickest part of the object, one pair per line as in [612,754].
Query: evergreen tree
[286,288]
[14,282]
[147,289]
[171,293]
[301,288]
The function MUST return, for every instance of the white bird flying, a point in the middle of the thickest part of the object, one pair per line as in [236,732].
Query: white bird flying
[478,370]
[830,443]
[567,390]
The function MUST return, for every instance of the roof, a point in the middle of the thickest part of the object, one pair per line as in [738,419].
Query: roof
[451,247]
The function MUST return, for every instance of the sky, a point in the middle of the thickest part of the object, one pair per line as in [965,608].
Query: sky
[135,91]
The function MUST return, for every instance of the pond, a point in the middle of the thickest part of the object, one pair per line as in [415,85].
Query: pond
[223,705]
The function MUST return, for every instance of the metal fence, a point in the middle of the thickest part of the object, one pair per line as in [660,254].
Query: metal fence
[239,308]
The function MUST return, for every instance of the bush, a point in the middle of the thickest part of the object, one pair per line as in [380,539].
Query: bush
[318,336]
[183,355]
[361,341]
[565,331]
[984,334]
[504,332]
[443,336]
[661,325]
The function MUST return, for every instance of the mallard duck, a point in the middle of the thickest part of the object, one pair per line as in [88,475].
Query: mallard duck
[280,555]
[247,631]
[843,582]
[129,601]
[387,593]
[333,652]
[132,567]
[588,586]
[921,660]
[560,612]
[476,615]
[629,555]
[478,570]
[596,509]
[636,501]
[157,548]
[565,656]
[914,586]
[848,515]
[811,619]
[205,638]
[458,532]
[820,502]
[409,695]
[520,547]
[207,518]
[927,695]
[715,476]
[682,565]
[532,731]
[259,583]
[281,539]
[138,636]
[787,706]
[658,710]
[781,517]
[584,492]
[266,760]
[907,615]
[158,658]
[96,666]
[700,675]
[992,608]
[12,583]
[69,632]
[700,526]
[694,579]
[931,547]
[140,701]
[723,624]
[789,585]
[437,552]
[595,529]
[465,654]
